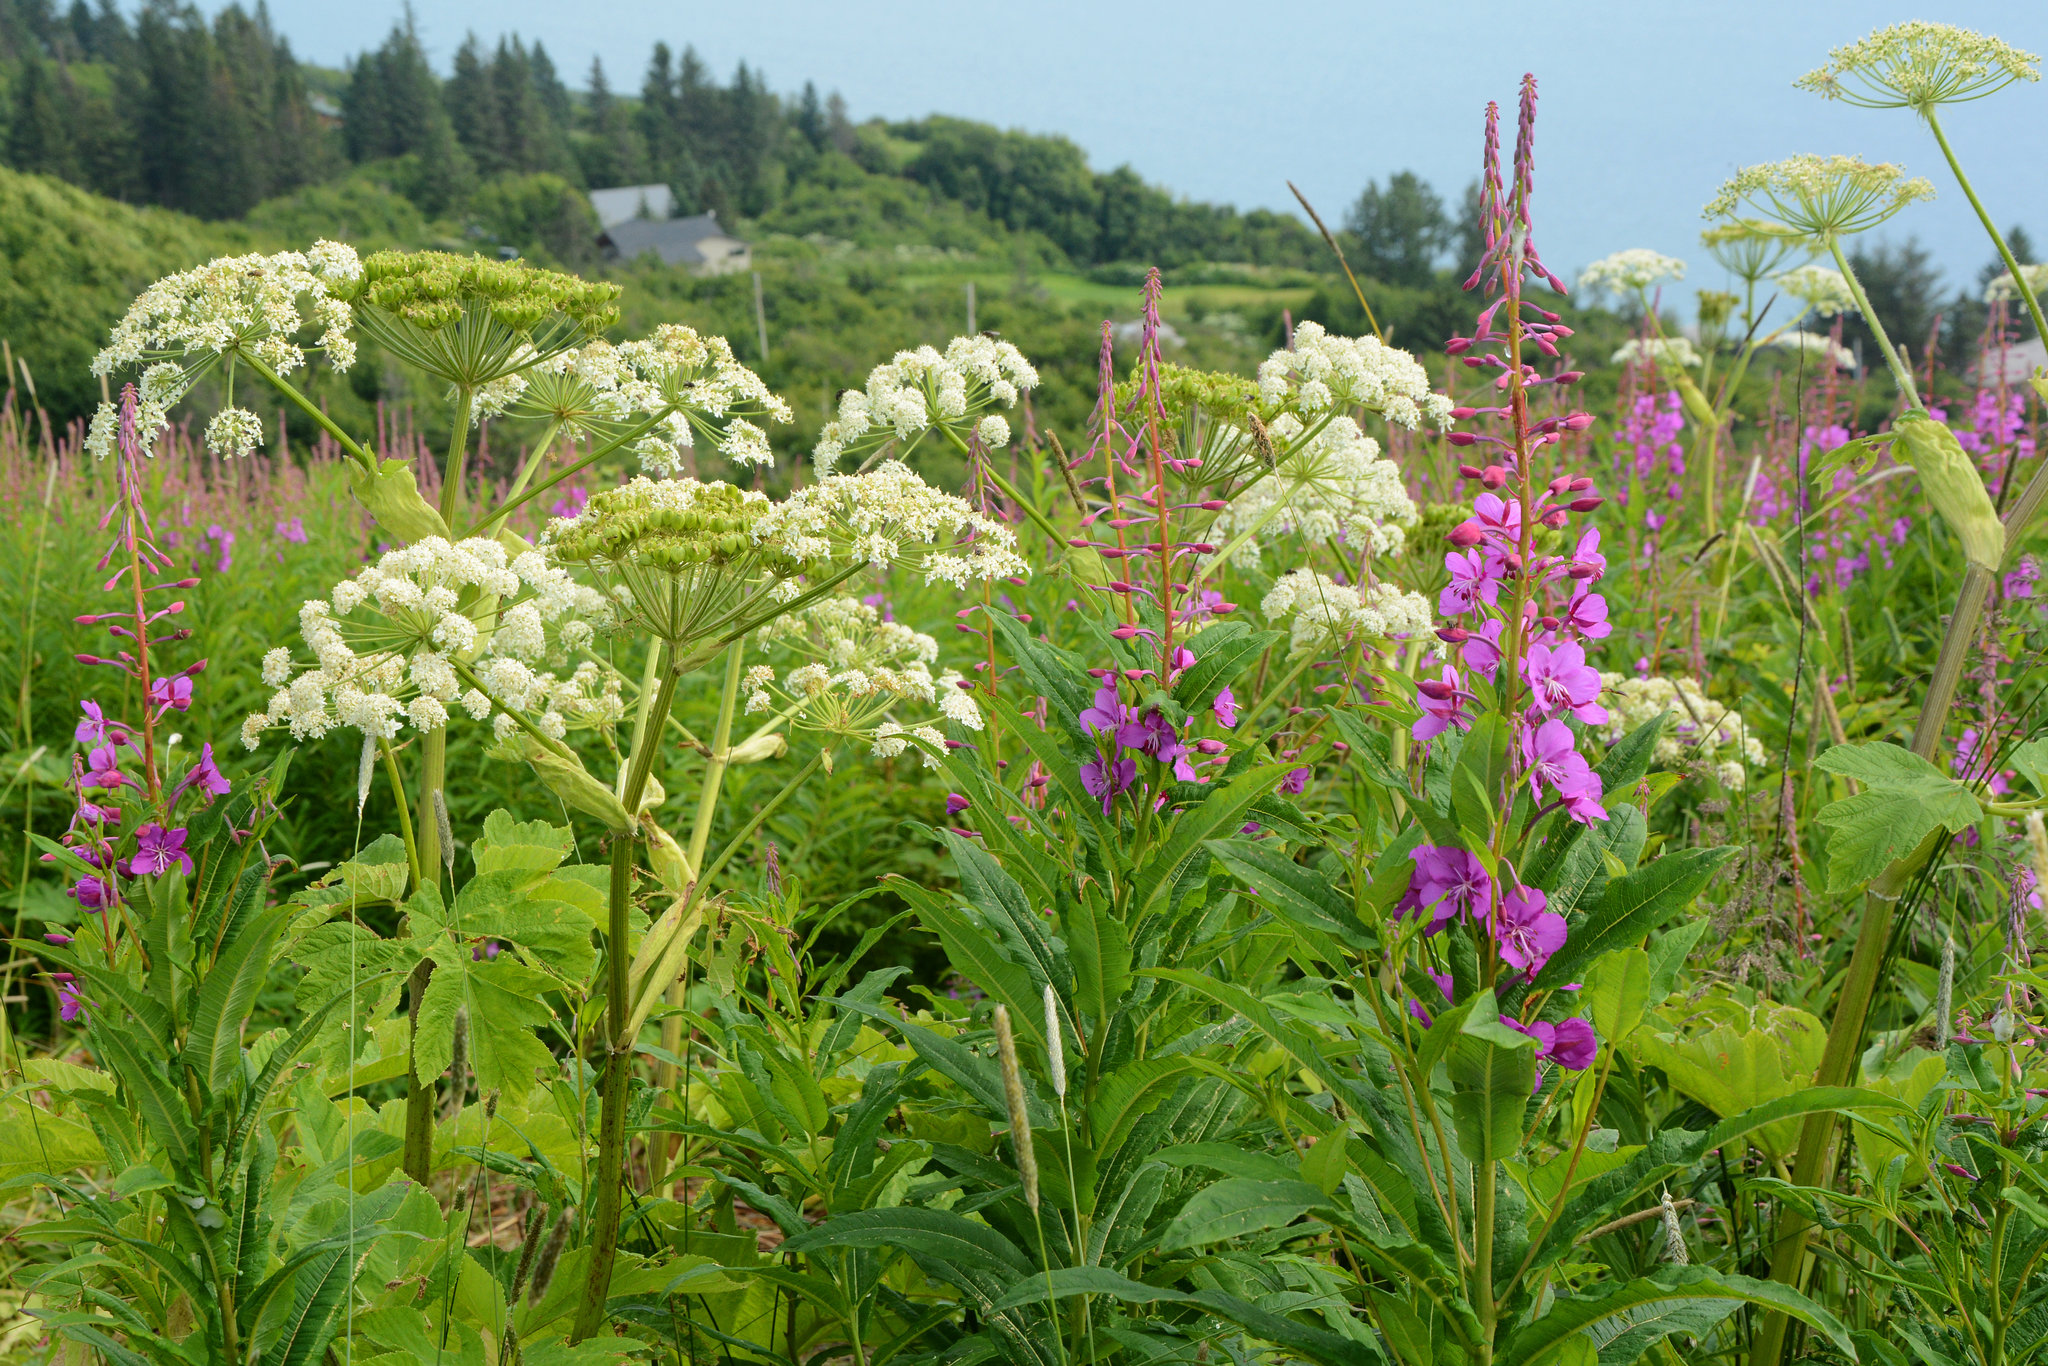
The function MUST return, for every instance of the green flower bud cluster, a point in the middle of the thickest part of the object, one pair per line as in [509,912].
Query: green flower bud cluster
[1182,391]
[672,526]
[431,290]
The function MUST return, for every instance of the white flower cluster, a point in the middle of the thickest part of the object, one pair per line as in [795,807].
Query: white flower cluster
[696,379]
[919,389]
[1636,268]
[1327,613]
[869,670]
[393,643]
[1333,485]
[847,633]
[1919,64]
[1698,729]
[1824,291]
[1324,372]
[1674,352]
[249,305]
[892,514]
[1824,349]
[2034,276]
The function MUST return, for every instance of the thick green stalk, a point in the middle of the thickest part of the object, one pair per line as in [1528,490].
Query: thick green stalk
[1997,238]
[1900,374]
[533,461]
[312,410]
[418,1157]
[456,469]
[618,1070]
[1859,984]
[693,859]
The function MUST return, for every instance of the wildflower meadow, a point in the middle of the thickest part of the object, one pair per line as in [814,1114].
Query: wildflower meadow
[1466,853]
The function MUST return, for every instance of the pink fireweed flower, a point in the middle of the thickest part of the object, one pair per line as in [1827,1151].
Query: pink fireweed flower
[1559,679]
[1527,932]
[1470,585]
[96,729]
[1108,712]
[204,775]
[1448,882]
[1419,1011]
[1225,708]
[1550,752]
[103,769]
[1587,615]
[157,851]
[1481,649]
[1443,705]
[173,692]
[1106,778]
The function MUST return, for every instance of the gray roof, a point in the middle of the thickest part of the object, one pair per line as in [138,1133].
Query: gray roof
[625,202]
[673,239]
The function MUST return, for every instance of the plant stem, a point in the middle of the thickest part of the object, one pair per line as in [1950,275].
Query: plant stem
[618,1070]
[455,469]
[427,855]
[1900,374]
[307,406]
[1998,239]
[1859,983]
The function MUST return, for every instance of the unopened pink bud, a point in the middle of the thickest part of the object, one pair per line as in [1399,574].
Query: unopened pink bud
[1436,690]
[1556,517]
[1494,477]
[1463,534]
[1550,623]
[1581,484]
[1586,504]
[1561,484]
[1210,746]
[1463,439]
[1569,377]
[1453,635]
[1214,505]
[1578,422]
[1468,471]
[1457,346]
[1464,414]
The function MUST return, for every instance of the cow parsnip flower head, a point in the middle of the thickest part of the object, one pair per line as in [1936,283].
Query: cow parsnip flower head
[693,385]
[1820,198]
[1697,729]
[1666,353]
[916,392]
[683,559]
[439,627]
[891,516]
[1333,486]
[473,321]
[1826,350]
[1918,65]
[1325,613]
[1634,269]
[1749,250]
[1324,372]
[253,306]
[2002,289]
[1825,292]
[848,633]
[862,679]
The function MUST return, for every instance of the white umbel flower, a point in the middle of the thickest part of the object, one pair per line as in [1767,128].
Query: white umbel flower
[1326,613]
[1324,371]
[1635,269]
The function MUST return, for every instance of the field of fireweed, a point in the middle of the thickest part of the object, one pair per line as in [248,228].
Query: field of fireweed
[1366,862]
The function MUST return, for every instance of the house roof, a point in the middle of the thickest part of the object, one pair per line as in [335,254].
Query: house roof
[675,240]
[625,202]
[2012,364]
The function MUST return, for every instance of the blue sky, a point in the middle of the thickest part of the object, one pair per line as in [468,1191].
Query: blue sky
[1646,106]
